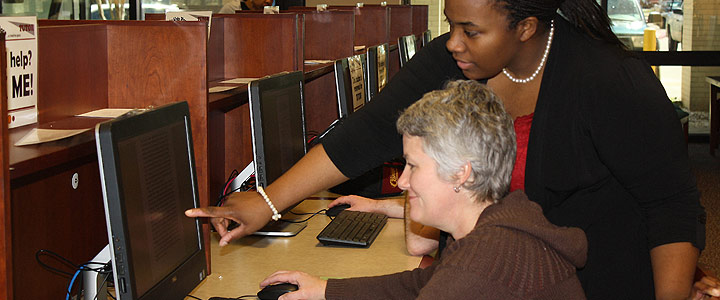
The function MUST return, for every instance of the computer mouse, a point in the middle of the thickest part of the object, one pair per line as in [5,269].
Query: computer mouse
[335,210]
[272,292]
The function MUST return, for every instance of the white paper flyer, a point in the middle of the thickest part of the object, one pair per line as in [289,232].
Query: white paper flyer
[189,16]
[21,46]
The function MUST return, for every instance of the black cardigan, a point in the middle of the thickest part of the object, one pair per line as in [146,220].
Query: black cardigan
[606,154]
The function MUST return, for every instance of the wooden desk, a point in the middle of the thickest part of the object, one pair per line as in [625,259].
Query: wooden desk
[714,82]
[125,64]
[239,267]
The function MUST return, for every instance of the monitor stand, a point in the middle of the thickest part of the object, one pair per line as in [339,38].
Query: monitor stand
[248,171]
[281,229]
[274,228]
[95,284]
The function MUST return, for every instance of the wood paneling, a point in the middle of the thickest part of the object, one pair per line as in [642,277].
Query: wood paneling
[329,34]
[401,22]
[47,213]
[5,208]
[256,45]
[61,96]
[371,24]
[216,50]
[87,65]
[152,63]
[419,19]
[320,103]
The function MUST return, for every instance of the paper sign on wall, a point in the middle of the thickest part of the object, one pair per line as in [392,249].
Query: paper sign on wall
[21,47]
[190,16]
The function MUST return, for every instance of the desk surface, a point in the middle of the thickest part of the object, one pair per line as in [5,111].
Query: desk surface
[239,267]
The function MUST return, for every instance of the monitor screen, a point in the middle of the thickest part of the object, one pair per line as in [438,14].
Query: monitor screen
[350,84]
[407,48]
[148,173]
[376,71]
[277,118]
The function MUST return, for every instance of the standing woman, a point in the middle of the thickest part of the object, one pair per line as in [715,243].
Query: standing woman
[599,143]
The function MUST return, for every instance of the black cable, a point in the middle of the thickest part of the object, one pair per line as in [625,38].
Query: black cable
[191,296]
[300,214]
[234,173]
[303,221]
[246,186]
[59,258]
[104,269]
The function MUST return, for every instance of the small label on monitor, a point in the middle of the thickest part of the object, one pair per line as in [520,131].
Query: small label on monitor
[381,66]
[356,78]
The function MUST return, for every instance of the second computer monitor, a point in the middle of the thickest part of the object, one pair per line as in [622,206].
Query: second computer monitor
[407,48]
[277,119]
[376,71]
[426,38]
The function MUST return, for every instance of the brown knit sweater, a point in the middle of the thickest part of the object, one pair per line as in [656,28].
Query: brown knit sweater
[513,253]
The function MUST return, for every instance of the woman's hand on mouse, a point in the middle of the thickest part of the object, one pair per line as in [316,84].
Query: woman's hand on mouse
[389,207]
[248,209]
[309,287]
[356,203]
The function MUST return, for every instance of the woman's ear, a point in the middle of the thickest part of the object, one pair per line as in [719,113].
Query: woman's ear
[527,28]
[464,174]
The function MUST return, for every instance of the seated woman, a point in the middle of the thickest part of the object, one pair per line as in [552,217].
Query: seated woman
[459,145]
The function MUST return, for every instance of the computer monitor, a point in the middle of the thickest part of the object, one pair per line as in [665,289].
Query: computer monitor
[277,119]
[426,38]
[376,71]
[350,84]
[407,47]
[148,177]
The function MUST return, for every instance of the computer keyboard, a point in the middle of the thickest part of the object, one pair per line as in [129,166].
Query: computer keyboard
[353,228]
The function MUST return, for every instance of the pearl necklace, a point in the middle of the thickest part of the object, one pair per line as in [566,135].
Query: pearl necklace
[542,61]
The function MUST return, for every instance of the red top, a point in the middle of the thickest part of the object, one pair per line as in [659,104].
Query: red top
[522,134]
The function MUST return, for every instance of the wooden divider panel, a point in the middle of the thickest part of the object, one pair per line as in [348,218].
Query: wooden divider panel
[401,21]
[72,70]
[329,34]
[159,62]
[371,24]
[5,209]
[256,45]
[420,20]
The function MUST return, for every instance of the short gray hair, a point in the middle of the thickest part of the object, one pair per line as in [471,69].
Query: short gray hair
[465,122]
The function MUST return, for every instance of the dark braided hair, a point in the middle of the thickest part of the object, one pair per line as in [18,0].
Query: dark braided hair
[586,15]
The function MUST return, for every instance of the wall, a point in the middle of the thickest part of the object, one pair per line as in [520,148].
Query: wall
[701,32]
[436,18]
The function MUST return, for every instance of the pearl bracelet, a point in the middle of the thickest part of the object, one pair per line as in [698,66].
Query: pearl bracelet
[276,216]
